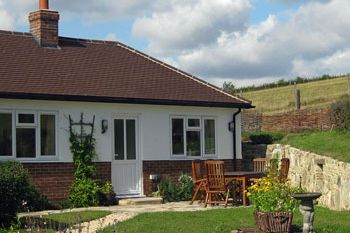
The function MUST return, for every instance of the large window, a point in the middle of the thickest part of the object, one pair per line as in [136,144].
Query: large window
[27,134]
[193,136]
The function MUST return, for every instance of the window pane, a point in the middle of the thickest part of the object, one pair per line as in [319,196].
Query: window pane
[193,143]
[130,140]
[209,137]
[178,136]
[5,134]
[194,123]
[25,143]
[119,139]
[47,134]
[26,118]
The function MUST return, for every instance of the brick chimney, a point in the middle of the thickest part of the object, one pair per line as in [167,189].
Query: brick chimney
[44,25]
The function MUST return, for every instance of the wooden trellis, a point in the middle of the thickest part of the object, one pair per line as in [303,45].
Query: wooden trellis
[82,135]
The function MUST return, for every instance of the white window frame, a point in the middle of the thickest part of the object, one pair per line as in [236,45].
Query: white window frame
[36,125]
[187,128]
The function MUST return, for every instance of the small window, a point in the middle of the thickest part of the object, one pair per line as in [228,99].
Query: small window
[26,119]
[25,142]
[209,136]
[193,123]
[193,141]
[48,135]
[6,134]
[177,136]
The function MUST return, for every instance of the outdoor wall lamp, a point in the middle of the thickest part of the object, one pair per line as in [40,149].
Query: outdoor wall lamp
[104,126]
[231,126]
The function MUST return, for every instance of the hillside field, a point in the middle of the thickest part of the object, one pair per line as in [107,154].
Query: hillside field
[317,94]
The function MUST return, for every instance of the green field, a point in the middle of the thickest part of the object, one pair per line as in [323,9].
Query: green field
[317,94]
[334,144]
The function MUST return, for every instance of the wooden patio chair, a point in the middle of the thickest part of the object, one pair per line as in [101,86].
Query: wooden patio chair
[217,190]
[260,165]
[198,180]
[283,175]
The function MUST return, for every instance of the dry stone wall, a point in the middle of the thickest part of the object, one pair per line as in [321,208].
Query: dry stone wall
[316,173]
[296,120]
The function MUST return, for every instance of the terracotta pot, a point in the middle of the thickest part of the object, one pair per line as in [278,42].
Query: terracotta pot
[274,222]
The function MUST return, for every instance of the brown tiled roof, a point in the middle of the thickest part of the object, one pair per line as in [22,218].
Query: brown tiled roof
[87,70]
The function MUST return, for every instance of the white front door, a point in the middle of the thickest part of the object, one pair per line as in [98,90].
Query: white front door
[126,175]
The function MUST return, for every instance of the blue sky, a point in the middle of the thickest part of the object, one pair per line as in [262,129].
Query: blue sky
[242,41]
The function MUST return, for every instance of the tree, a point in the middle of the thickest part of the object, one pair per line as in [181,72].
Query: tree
[229,87]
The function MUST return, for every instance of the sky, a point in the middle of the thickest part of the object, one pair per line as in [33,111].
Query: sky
[246,42]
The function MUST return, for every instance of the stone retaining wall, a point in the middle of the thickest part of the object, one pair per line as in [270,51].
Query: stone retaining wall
[318,173]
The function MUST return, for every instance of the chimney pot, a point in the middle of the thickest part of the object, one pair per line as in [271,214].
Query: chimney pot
[43,4]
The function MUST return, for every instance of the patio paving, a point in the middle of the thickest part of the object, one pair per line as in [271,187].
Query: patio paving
[122,213]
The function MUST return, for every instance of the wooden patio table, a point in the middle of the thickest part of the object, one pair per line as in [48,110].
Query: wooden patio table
[242,176]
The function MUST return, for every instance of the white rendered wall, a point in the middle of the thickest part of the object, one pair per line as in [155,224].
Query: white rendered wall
[154,126]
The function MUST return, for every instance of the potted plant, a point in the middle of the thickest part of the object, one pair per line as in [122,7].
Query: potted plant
[273,203]
[106,195]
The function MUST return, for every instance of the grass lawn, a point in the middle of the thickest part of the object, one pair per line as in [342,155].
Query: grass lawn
[316,94]
[334,144]
[56,221]
[77,217]
[222,220]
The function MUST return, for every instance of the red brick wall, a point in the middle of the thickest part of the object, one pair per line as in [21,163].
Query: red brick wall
[297,120]
[173,168]
[55,179]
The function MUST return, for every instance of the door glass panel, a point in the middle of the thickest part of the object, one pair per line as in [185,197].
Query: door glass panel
[178,136]
[25,118]
[209,137]
[25,143]
[5,134]
[47,134]
[119,139]
[193,143]
[130,140]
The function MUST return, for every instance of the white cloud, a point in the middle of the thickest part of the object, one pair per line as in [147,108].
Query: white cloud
[312,41]
[181,25]
[111,37]
[15,12]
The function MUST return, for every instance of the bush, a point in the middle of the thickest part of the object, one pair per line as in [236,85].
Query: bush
[17,193]
[340,114]
[182,191]
[84,193]
[265,137]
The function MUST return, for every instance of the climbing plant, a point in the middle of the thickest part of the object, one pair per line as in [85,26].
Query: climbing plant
[85,188]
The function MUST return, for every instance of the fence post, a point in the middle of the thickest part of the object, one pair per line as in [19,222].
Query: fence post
[297,99]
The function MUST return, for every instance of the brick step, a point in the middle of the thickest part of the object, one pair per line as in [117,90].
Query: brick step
[140,201]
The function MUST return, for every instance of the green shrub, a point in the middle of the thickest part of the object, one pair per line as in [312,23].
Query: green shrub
[182,191]
[340,114]
[265,137]
[17,193]
[84,193]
